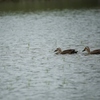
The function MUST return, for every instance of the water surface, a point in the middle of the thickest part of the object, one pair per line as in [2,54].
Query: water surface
[29,69]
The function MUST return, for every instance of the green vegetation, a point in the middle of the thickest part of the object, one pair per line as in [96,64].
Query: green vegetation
[33,5]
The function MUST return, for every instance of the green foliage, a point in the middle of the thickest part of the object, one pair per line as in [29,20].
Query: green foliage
[33,5]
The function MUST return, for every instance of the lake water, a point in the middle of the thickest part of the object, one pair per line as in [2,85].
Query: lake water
[29,69]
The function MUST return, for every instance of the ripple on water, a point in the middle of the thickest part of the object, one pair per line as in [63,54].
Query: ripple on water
[29,69]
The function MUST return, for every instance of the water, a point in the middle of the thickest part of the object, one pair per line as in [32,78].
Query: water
[29,69]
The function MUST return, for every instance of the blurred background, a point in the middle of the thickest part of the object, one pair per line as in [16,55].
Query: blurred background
[32,5]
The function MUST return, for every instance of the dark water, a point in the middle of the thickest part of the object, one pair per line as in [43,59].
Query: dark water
[29,69]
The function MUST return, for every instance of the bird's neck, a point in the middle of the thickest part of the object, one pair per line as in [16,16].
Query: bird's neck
[59,51]
[88,50]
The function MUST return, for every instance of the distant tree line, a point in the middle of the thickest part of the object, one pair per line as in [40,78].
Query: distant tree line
[73,1]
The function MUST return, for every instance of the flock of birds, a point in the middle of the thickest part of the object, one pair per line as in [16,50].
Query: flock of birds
[73,51]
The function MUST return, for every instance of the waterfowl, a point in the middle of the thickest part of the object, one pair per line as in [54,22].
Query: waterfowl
[69,51]
[97,51]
